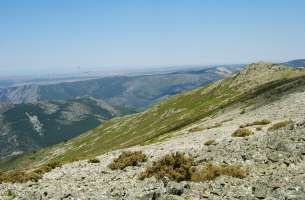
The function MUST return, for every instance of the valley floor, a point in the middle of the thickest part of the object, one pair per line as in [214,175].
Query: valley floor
[275,160]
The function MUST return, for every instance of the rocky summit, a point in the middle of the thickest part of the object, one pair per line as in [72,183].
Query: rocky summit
[260,129]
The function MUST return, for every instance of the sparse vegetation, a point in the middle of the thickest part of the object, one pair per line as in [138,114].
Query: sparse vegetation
[180,167]
[215,126]
[18,176]
[93,160]
[211,171]
[243,111]
[227,120]
[258,128]
[176,167]
[210,142]
[278,125]
[261,122]
[47,167]
[196,129]
[128,159]
[10,194]
[242,132]
[256,123]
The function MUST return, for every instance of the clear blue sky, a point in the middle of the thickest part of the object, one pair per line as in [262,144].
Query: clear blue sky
[58,35]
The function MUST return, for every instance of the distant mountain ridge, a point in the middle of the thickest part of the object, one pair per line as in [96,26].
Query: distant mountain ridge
[126,91]
[295,63]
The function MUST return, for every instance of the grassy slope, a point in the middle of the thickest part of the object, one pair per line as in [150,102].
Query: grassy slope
[166,117]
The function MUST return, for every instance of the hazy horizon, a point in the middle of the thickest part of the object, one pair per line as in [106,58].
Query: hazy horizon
[55,37]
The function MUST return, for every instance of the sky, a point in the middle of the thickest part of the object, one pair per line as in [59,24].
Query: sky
[59,36]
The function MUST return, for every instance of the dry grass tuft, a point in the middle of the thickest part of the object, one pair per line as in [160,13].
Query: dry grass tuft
[211,171]
[47,167]
[242,132]
[215,126]
[128,159]
[180,167]
[210,142]
[93,160]
[195,129]
[17,176]
[176,167]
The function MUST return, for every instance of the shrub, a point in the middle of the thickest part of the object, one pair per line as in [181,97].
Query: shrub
[215,126]
[210,142]
[176,167]
[259,122]
[278,125]
[93,160]
[180,167]
[212,171]
[242,132]
[9,193]
[128,159]
[196,129]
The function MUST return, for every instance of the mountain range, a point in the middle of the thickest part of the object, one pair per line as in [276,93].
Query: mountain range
[237,138]
[29,126]
[175,113]
[137,92]
[36,116]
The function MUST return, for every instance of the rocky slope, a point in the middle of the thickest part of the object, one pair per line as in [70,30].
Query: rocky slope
[30,126]
[274,157]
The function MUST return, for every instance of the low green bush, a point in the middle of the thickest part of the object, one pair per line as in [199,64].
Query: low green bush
[243,111]
[278,125]
[242,132]
[195,129]
[258,122]
[215,126]
[210,142]
[93,160]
